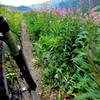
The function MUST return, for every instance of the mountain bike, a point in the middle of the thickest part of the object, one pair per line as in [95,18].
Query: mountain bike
[15,89]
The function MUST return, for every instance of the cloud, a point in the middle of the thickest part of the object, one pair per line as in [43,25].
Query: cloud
[21,2]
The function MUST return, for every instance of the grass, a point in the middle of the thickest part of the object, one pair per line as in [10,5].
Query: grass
[68,50]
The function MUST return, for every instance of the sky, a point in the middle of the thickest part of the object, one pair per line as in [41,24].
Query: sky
[21,2]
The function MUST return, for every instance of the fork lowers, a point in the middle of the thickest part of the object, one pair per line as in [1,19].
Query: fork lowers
[18,55]
[21,62]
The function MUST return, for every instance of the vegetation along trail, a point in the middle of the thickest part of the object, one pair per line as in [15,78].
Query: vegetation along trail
[62,51]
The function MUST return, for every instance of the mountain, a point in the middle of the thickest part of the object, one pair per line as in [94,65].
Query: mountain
[73,4]
[47,4]
[23,8]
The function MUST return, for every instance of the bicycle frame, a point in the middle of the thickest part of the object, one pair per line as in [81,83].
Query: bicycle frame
[17,53]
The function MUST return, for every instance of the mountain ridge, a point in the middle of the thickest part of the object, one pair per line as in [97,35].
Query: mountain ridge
[73,4]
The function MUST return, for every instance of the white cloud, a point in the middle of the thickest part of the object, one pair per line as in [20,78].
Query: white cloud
[21,2]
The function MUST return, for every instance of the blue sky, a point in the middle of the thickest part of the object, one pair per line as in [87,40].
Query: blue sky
[21,2]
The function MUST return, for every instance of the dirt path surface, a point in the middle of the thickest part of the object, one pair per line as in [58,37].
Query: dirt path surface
[27,50]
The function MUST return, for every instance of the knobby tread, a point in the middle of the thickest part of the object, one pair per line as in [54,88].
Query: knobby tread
[2,78]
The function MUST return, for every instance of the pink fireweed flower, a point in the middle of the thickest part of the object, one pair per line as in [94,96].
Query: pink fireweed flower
[64,11]
[60,12]
[86,16]
[93,12]
[54,10]
[81,14]
[69,10]
[98,19]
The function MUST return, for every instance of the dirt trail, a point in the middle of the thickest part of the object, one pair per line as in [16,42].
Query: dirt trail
[35,71]
[27,50]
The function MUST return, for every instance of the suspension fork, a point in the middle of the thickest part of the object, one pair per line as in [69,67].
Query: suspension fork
[17,53]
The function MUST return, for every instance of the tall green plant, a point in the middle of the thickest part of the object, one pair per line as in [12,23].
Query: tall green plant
[69,52]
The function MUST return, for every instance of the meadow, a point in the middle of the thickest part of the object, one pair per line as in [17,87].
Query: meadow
[68,50]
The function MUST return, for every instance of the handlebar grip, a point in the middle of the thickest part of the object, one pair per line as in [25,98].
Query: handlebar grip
[4,27]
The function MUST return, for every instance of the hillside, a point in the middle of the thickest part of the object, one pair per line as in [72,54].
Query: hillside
[83,5]
[21,8]
[73,4]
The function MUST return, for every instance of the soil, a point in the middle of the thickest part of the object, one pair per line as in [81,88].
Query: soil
[27,50]
[34,70]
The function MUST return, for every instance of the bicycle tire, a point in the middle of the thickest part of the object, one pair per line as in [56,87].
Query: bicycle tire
[19,59]
[20,89]
[10,95]
[5,93]
[3,81]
